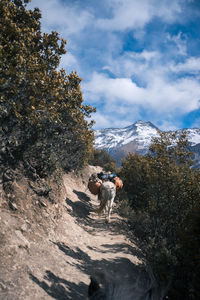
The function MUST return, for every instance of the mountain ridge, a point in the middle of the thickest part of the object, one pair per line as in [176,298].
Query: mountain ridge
[137,137]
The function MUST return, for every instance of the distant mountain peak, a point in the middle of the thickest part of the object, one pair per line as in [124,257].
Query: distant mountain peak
[136,137]
[141,123]
[116,137]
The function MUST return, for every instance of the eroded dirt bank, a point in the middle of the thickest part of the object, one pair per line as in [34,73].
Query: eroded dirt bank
[54,258]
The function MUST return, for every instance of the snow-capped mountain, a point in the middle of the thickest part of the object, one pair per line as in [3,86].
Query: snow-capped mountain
[110,138]
[118,142]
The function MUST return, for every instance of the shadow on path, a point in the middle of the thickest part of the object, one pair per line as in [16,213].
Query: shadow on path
[87,265]
[82,196]
[59,288]
[79,209]
[82,210]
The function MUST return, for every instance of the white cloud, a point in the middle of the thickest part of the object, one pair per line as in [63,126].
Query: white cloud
[113,89]
[175,97]
[191,65]
[168,124]
[102,119]
[164,103]
[134,14]
[136,63]
[127,14]
[180,41]
[67,19]
[68,62]
[141,83]
[105,119]
[147,55]
[167,10]
[160,97]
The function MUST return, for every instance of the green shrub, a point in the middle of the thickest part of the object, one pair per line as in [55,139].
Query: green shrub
[42,115]
[103,159]
[163,190]
[125,209]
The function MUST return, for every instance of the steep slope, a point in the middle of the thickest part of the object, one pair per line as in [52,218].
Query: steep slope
[54,257]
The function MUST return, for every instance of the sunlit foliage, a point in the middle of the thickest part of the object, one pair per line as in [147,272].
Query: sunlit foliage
[42,115]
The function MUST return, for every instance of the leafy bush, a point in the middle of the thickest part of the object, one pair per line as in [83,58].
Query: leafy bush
[103,159]
[42,115]
[187,277]
[125,208]
[163,190]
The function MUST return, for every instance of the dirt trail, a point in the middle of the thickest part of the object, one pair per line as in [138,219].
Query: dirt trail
[58,266]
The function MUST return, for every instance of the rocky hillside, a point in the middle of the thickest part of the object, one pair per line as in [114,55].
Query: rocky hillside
[49,249]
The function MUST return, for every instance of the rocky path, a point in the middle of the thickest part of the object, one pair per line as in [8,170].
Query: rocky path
[59,265]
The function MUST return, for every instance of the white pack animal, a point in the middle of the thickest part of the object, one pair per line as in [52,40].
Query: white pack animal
[107,196]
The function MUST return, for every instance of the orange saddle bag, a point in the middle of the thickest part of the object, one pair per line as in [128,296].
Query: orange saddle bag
[118,183]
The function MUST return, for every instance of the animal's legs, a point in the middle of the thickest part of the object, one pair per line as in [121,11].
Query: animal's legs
[108,193]
[108,210]
[110,204]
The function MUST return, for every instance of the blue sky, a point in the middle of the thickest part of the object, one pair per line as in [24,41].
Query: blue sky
[139,59]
